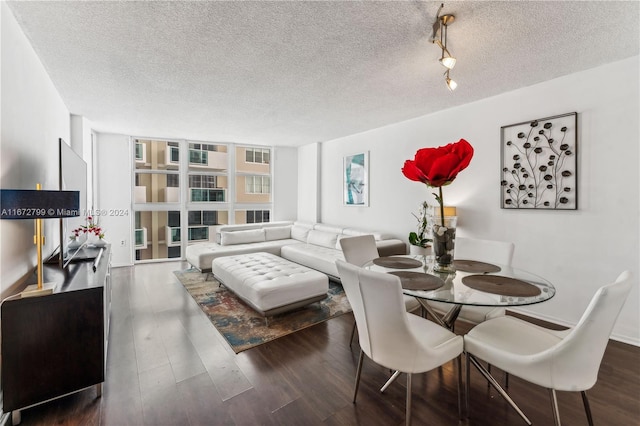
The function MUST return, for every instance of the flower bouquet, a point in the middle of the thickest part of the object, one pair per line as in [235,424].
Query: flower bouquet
[91,229]
[437,167]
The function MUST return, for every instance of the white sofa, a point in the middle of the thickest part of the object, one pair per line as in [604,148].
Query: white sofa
[314,245]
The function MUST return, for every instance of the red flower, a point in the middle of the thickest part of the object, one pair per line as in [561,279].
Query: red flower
[439,166]
[90,228]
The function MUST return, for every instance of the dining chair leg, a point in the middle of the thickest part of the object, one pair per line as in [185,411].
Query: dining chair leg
[489,370]
[506,377]
[497,387]
[587,408]
[459,362]
[467,386]
[408,420]
[353,333]
[358,372]
[554,405]
[391,379]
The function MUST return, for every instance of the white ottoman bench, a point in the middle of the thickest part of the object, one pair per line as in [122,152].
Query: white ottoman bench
[269,283]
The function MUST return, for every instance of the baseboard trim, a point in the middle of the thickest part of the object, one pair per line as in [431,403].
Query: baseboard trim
[614,336]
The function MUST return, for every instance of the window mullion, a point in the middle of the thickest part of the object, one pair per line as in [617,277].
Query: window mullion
[184,196]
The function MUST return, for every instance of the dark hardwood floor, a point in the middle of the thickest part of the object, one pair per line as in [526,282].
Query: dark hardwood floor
[167,365]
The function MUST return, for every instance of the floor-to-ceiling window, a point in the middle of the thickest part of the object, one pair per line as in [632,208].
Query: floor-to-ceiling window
[183,189]
[253,184]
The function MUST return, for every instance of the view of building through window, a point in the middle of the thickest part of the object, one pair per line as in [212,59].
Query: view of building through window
[182,191]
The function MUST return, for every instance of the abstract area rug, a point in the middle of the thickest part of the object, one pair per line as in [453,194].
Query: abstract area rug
[244,328]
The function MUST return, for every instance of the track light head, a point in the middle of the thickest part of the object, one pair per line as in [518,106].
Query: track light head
[448,62]
[451,85]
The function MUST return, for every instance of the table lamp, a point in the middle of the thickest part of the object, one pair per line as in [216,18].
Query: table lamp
[38,205]
[448,211]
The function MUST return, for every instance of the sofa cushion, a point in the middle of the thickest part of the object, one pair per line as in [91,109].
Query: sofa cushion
[219,229]
[300,232]
[277,233]
[328,228]
[242,237]
[322,239]
[322,259]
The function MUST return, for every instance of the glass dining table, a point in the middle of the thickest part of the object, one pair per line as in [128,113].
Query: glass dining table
[474,283]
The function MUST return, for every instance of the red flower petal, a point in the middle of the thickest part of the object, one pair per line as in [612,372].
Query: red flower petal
[412,172]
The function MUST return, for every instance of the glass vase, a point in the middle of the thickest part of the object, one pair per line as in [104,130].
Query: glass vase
[444,239]
[77,242]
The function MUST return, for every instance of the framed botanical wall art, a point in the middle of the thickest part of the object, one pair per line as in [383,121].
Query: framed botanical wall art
[355,177]
[539,164]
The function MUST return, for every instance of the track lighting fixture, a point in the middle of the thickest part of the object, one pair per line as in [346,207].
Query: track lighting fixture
[446,59]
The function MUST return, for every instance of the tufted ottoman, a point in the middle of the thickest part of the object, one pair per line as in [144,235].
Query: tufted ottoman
[269,283]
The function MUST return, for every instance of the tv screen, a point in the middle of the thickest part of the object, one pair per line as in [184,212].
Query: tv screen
[73,177]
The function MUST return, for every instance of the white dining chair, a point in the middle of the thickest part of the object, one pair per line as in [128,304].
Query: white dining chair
[566,360]
[360,250]
[489,251]
[389,335]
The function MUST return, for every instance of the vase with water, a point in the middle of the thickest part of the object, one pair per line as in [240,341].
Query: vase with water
[444,239]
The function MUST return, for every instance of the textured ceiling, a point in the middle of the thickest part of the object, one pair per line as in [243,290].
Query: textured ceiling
[292,73]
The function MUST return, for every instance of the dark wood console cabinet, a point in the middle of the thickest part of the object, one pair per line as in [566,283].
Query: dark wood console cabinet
[56,344]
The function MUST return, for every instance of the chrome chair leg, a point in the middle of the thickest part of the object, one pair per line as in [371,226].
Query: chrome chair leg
[506,377]
[358,372]
[499,388]
[459,362]
[467,386]
[391,379]
[408,420]
[587,409]
[353,333]
[554,406]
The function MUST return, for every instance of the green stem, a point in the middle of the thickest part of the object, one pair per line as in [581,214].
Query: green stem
[441,206]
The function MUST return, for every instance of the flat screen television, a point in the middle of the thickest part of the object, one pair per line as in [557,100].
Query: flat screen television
[73,177]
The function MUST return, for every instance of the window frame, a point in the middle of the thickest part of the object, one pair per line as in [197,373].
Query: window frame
[225,171]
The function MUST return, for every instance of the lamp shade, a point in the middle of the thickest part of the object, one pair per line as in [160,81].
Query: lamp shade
[448,211]
[36,204]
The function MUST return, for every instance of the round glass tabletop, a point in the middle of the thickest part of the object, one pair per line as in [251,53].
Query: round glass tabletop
[474,283]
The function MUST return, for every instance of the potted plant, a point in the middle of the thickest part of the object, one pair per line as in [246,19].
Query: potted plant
[419,241]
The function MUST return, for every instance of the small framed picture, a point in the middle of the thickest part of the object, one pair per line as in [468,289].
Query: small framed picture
[355,177]
[539,164]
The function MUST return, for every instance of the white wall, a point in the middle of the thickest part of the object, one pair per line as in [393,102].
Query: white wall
[578,251]
[113,171]
[309,183]
[33,118]
[285,196]
[82,143]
